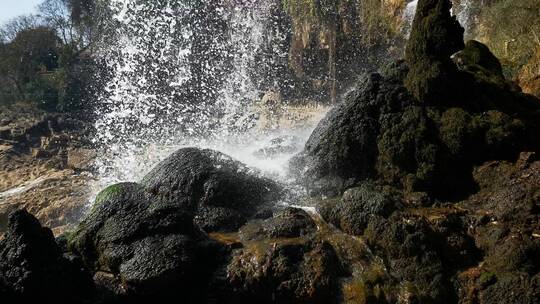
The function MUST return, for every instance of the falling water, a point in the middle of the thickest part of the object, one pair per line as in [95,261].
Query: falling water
[461,9]
[183,74]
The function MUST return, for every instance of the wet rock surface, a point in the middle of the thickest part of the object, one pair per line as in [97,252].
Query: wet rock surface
[295,272]
[33,267]
[221,192]
[287,223]
[392,128]
[148,246]
[423,196]
[357,207]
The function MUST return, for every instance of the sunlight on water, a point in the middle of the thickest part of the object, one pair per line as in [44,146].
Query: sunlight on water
[184,74]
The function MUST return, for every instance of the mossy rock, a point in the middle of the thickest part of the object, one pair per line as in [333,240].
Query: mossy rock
[407,148]
[435,36]
[455,130]
[357,207]
[111,193]
[478,59]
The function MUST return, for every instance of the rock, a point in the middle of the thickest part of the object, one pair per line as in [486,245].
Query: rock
[477,58]
[435,36]
[340,152]
[286,223]
[80,158]
[409,247]
[32,266]
[150,247]
[222,193]
[422,125]
[284,272]
[529,75]
[357,207]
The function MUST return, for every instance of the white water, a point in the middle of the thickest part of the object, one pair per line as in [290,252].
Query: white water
[461,9]
[147,110]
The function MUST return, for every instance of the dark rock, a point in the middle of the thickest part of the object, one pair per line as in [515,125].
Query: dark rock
[284,272]
[477,58]
[358,205]
[512,289]
[435,36]
[286,223]
[222,193]
[32,267]
[150,247]
[342,150]
[409,247]
[381,132]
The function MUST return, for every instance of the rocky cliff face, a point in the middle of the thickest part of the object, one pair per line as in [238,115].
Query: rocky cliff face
[511,30]
[334,40]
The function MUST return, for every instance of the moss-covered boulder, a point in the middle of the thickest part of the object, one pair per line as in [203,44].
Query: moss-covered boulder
[220,192]
[342,150]
[477,58]
[357,207]
[287,223]
[149,247]
[421,131]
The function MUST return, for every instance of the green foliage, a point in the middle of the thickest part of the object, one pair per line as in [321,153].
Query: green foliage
[28,63]
[42,57]
[42,91]
[311,10]
[108,193]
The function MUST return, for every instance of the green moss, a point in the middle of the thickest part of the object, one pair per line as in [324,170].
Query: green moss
[435,36]
[108,192]
[477,59]
[455,130]
[486,279]
[502,133]
[407,153]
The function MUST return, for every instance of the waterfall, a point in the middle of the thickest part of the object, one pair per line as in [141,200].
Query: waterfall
[408,16]
[184,73]
[460,8]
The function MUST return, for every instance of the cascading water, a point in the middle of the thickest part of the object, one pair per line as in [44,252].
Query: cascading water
[183,74]
[461,9]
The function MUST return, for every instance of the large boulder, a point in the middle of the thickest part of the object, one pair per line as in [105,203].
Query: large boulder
[33,267]
[221,192]
[342,150]
[150,248]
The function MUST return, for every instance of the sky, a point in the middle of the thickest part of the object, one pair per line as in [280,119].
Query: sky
[14,8]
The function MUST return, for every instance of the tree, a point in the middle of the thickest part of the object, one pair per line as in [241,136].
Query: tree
[27,63]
